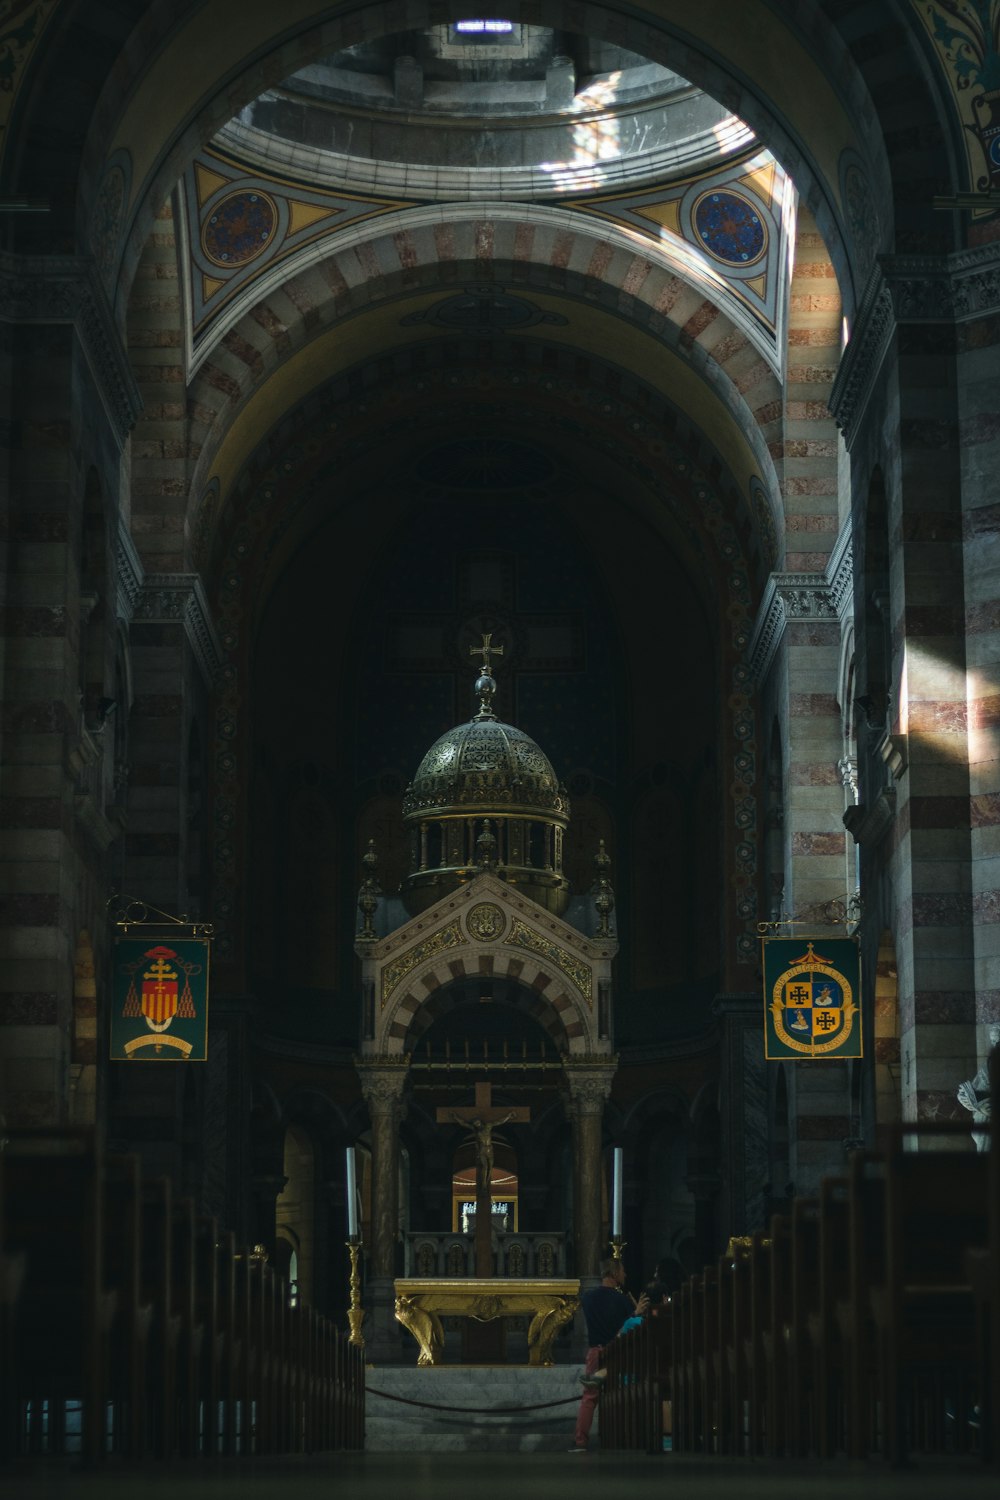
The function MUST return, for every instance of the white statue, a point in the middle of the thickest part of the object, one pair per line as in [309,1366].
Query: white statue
[974,1094]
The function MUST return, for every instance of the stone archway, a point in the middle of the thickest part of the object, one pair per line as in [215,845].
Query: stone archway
[485,927]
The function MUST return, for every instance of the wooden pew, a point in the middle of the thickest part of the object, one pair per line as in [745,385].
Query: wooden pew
[827,1347]
[801,1394]
[134,1309]
[53,1212]
[234,1331]
[212,1341]
[734,1325]
[191,1329]
[855,1322]
[159,1288]
[706,1343]
[753,1392]
[638,1382]
[12,1265]
[935,1209]
[681,1369]
[773,1337]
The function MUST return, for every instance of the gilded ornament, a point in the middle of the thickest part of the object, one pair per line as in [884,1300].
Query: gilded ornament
[421,1304]
[438,942]
[485,922]
[579,974]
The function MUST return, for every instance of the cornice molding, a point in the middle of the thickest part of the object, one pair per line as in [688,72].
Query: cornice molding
[130,573]
[179,599]
[911,289]
[864,356]
[801,596]
[65,289]
[944,288]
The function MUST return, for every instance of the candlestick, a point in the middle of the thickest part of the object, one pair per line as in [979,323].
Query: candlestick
[355,1312]
[617,1246]
[616,1194]
[352,1196]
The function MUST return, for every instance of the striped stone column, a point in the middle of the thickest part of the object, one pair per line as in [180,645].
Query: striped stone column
[796,659]
[979,434]
[67,402]
[929,695]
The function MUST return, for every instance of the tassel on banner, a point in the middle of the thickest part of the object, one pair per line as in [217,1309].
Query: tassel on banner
[131,1006]
[185,1005]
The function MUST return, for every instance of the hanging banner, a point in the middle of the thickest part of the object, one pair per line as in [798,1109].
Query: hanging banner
[812,990]
[159,1009]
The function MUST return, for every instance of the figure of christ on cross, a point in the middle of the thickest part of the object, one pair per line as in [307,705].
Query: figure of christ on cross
[483,1117]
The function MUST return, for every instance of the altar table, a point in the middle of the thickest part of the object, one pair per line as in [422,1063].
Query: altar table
[421,1304]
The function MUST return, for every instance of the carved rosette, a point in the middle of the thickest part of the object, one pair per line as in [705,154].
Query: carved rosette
[486,922]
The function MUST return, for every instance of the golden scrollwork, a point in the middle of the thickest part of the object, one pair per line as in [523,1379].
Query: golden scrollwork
[437,942]
[579,974]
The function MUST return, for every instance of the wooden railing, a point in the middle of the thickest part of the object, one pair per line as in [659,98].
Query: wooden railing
[864,1322]
[130,1323]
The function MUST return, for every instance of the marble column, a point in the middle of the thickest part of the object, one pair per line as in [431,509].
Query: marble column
[589,1087]
[382,1084]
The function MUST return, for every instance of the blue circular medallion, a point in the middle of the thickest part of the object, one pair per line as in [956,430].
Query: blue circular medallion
[238,228]
[730,228]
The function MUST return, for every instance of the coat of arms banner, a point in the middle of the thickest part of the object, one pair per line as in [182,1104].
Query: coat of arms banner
[159,1008]
[812,995]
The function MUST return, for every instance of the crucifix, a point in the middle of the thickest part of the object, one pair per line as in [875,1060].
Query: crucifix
[482,1118]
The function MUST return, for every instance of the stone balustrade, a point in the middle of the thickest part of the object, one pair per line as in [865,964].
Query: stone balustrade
[538,1255]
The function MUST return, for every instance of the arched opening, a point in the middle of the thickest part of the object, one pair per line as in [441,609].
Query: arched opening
[295,1210]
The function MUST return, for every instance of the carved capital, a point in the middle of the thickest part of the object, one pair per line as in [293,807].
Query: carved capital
[179,599]
[801,596]
[944,288]
[589,1087]
[909,289]
[382,1084]
[66,289]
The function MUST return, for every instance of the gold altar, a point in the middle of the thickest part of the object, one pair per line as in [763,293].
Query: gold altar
[420,1306]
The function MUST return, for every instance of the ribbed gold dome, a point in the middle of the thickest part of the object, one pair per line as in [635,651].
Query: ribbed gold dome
[484,766]
[485,797]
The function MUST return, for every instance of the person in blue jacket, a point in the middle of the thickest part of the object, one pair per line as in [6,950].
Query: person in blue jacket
[605,1309]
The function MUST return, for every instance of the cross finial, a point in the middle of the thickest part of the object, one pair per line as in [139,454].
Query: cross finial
[486,650]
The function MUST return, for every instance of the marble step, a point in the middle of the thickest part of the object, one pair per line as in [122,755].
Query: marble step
[393,1426]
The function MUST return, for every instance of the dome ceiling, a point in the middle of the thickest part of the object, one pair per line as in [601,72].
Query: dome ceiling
[528,112]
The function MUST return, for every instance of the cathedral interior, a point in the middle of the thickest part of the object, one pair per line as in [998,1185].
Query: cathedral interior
[638,362]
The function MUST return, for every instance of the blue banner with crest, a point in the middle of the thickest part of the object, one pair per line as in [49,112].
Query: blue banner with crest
[812,997]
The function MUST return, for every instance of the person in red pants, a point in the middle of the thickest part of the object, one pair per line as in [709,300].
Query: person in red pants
[605,1309]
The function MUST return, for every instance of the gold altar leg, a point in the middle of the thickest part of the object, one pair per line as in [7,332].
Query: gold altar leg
[545,1327]
[426,1328]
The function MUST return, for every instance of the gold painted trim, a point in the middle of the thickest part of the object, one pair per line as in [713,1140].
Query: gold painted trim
[394,973]
[580,975]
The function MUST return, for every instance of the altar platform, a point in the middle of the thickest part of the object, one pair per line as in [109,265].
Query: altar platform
[471,1408]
